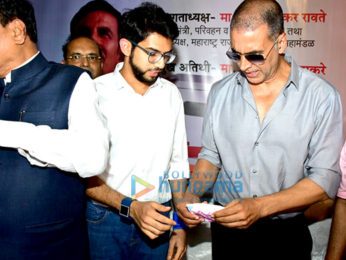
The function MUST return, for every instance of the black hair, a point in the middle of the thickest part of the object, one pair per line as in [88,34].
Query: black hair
[139,22]
[70,39]
[92,6]
[22,10]
[251,13]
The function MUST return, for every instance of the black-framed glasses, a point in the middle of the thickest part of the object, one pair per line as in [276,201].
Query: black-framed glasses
[77,57]
[253,58]
[156,56]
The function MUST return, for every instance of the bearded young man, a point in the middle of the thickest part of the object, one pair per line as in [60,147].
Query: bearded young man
[145,117]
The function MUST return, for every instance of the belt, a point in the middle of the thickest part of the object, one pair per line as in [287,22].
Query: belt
[166,204]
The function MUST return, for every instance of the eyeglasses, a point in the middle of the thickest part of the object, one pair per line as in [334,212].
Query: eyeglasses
[77,57]
[253,58]
[155,56]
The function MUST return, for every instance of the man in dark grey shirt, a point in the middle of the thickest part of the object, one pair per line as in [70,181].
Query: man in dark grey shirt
[271,140]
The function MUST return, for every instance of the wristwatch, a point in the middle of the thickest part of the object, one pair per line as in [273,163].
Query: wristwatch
[125,207]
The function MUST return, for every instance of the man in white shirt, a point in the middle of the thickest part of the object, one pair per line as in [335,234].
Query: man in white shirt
[145,118]
[42,204]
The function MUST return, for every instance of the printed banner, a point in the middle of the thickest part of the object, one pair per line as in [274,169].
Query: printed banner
[315,40]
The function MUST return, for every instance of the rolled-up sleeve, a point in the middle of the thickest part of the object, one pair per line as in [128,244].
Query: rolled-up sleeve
[325,145]
[82,148]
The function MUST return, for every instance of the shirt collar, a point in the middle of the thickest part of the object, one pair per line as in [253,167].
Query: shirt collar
[293,77]
[122,83]
[294,73]
[8,77]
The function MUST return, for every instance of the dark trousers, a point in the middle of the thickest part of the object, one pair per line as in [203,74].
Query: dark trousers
[265,239]
[61,240]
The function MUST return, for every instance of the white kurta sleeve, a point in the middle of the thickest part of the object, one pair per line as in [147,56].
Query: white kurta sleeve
[82,148]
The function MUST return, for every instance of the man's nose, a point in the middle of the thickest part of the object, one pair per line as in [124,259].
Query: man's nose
[84,61]
[161,63]
[95,36]
[243,63]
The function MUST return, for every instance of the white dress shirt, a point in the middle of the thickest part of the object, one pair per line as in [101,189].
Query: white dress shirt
[82,148]
[148,137]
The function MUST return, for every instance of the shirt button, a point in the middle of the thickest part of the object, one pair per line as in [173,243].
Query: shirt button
[256,143]
[254,196]
[7,96]
[254,171]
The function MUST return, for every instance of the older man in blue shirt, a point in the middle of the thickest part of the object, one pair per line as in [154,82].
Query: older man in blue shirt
[271,140]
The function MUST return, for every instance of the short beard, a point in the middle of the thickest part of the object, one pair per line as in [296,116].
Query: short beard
[139,74]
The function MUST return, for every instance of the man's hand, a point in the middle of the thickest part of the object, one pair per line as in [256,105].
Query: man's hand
[177,245]
[239,214]
[204,172]
[149,220]
[190,220]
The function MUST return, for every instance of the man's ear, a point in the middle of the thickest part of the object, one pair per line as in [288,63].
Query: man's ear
[18,29]
[282,43]
[125,46]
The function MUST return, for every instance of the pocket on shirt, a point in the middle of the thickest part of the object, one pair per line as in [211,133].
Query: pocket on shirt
[38,117]
[95,214]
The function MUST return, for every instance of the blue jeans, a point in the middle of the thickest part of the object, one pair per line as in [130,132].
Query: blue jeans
[113,237]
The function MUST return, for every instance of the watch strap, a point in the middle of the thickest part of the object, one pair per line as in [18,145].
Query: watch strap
[125,207]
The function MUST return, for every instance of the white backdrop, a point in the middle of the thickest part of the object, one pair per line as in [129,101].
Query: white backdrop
[316,41]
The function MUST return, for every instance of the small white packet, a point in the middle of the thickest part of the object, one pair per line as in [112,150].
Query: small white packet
[204,210]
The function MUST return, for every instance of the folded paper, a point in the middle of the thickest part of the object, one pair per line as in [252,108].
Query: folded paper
[204,210]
